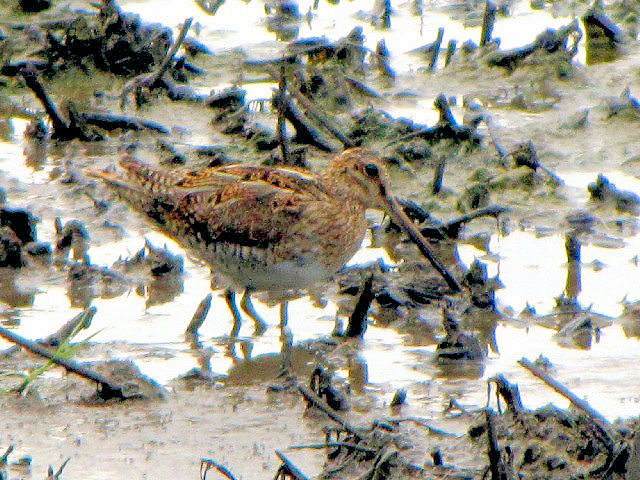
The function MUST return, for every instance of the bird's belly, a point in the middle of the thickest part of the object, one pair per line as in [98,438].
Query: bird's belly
[258,269]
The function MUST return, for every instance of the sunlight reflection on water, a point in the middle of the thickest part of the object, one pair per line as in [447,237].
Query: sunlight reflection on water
[533,269]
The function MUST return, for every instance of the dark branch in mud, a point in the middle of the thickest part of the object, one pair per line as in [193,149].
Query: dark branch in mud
[83,319]
[281,127]
[451,50]
[438,175]
[199,316]
[51,475]
[114,122]
[446,128]
[509,392]
[382,59]
[156,80]
[321,405]
[61,129]
[153,79]
[319,446]
[488,21]
[565,392]
[288,469]
[452,228]
[447,230]
[549,41]
[436,50]
[207,464]
[497,467]
[305,131]
[5,456]
[107,390]
[317,116]
[526,155]
[358,319]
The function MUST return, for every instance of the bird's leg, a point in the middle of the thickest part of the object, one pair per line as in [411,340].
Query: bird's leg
[284,313]
[230,297]
[248,308]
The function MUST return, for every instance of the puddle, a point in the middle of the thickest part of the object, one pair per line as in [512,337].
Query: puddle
[538,276]
[336,21]
[532,268]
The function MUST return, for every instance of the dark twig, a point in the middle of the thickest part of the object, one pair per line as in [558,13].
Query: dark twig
[82,320]
[326,123]
[348,446]
[199,315]
[207,464]
[382,60]
[154,80]
[565,392]
[56,338]
[313,112]
[106,390]
[112,122]
[55,476]
[386,14]
[442,105]
[361,88]
[305,131]
[451,229]
[526,155]
[288,468]
[549,41]
[438,175]
[358,319]
[451,50]
[496,465]
[487,22]
[423,423]
[282,133]
[320,404]
[509,392]
[61,129]
[436,50]
[4,459]
[68,130]
[172,52]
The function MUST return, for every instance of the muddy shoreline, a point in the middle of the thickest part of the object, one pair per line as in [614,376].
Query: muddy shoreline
[495,152]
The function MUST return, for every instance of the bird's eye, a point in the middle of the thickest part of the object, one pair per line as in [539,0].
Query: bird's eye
[371,169]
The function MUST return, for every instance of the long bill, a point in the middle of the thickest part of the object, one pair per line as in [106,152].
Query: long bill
[399,217]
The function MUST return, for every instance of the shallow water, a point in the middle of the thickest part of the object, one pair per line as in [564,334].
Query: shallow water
[531,265]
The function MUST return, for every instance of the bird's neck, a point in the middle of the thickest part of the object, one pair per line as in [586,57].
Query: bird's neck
[342,187]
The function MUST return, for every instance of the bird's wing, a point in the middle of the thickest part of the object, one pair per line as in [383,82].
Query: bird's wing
[290,179]
[239,204]
[247,213]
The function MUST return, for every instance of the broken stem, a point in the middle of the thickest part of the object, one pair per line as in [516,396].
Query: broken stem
[107,389]
[564,391]
[172,51]
[436,50]
[199,315]
[282,134]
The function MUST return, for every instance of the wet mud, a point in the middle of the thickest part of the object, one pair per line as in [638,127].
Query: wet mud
[513,155]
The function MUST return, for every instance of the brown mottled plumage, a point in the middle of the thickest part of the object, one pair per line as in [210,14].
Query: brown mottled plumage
[265,228]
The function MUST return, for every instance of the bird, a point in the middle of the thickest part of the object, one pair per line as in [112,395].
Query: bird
[267,228]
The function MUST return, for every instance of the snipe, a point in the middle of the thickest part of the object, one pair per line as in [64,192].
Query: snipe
[268,228]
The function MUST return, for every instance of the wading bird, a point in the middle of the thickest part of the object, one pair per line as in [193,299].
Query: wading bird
[268,228]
